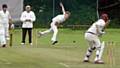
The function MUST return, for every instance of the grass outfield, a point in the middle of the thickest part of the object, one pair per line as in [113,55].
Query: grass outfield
[65,54]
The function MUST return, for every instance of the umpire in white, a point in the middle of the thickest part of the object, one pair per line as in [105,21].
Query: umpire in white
[27,17]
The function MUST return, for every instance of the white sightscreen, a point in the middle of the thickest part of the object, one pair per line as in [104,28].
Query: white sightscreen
[15,7]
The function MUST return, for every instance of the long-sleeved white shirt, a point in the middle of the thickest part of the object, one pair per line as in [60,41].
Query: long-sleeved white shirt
[27,16]
[5,16]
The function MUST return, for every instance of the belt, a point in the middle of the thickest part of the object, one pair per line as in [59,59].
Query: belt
[91,33]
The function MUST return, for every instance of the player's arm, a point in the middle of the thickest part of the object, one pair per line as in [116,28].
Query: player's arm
[23,17]
[63,9]
[97,29]
[99,32]
[33,17]
[10,21]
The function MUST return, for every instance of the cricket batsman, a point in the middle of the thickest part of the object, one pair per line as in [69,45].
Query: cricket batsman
[5,20]
[55,23]
[92,36]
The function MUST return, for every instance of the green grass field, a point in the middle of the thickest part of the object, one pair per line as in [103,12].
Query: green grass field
[65,54]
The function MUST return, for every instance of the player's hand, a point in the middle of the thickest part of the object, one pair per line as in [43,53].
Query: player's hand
[101,33]
[61,4]
[12,26]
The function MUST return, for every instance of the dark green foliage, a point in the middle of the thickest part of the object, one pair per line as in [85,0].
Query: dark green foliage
[82,11]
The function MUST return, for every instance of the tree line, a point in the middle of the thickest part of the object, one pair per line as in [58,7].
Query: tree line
[82,11]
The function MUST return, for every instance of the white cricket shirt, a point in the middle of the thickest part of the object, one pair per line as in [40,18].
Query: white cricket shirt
[100,23]
[5,16]
[24,16]
[59,19]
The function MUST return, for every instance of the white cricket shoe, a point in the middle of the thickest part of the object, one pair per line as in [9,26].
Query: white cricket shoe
[98,62]
[23,44]
[31,44]
[86,59]
[53,43]
[40,34]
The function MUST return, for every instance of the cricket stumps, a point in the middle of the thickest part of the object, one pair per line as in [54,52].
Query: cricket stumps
[110,45]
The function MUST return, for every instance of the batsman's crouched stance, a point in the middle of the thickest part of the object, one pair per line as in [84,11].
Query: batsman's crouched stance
[92,36]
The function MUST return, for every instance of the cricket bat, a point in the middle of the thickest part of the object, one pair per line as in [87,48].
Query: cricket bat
[11,38]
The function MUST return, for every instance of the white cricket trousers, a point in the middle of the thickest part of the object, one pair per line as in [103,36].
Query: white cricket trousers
[55,31]
[6,28]
[93,41]
[2,39]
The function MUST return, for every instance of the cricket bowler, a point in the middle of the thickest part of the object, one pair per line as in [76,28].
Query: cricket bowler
[92,36]
[55,23]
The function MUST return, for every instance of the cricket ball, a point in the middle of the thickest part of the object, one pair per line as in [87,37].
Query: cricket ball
[74,41]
